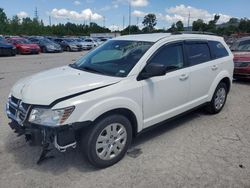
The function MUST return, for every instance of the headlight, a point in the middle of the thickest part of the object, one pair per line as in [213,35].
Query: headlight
[49,117]
[50,46]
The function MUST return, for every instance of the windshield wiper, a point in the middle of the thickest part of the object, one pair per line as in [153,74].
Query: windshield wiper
[90,69]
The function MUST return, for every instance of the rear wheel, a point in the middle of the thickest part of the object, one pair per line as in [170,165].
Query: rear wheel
[219,99]
[108,141]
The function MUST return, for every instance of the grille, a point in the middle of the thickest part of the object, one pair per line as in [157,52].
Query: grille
[17,110]
[242,64]
[5,51]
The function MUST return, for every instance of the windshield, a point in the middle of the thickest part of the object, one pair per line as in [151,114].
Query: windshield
[22,41]
[114,58]
[241,46]
[69,40]
[88,40]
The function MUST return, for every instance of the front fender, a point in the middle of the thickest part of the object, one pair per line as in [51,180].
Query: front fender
[107,105]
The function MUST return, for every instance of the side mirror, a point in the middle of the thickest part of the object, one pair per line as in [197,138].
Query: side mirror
[152,70]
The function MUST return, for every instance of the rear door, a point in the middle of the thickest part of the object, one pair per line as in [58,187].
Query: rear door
[203,70]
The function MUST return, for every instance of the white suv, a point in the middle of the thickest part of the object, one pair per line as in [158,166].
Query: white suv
[122,87]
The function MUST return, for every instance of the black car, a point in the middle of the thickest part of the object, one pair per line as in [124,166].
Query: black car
[46,45]
[6,49]
[69,44]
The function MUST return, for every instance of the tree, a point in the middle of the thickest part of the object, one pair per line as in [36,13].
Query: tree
[179,26]
[3,21]
[199,25]
[15,25]
[149,22]
[172,28]
[244,25]
[133,30]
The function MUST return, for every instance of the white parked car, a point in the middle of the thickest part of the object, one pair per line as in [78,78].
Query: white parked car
[130,83]
[92,42]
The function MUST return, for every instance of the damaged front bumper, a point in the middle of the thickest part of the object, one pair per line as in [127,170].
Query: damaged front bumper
[62,137]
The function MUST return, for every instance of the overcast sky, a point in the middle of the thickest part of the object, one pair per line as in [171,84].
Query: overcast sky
[113,12]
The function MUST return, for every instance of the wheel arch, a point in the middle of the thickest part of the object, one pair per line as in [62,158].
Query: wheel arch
[225,77]
[125,112]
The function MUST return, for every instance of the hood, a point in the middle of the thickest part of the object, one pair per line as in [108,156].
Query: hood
[5,44]
[241,56]
[46,87]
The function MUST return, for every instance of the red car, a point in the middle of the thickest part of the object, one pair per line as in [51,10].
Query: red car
[241,51]
[24,46]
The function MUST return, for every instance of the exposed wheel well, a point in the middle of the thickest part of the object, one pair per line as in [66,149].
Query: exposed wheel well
[125,112]
[227,81]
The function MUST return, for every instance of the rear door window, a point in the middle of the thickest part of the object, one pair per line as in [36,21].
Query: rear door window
[197,52]
[217,49]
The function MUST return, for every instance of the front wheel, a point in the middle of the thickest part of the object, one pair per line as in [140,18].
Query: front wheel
[68,49]
[219,99]
[108,141]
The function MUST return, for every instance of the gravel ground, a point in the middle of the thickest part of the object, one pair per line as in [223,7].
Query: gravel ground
[197,150]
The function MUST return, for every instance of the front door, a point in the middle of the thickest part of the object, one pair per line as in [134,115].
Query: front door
[166,96]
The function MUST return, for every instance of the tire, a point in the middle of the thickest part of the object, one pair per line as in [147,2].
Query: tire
[219,99]
[103,149]
[18,51]
[13,53]
[68,49]
[44,50]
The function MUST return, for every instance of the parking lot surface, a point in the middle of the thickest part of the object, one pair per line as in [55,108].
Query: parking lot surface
[196,150]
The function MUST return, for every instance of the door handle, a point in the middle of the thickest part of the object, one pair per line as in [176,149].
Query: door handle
[183,77]
[214,67]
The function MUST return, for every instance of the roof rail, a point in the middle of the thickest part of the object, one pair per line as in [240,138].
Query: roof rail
[192,32]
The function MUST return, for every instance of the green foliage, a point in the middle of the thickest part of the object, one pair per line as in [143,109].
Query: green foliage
[3,21]
[179,26]
[149,22]
[134,29]
[28,26]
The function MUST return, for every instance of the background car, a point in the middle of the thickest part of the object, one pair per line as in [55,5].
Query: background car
[46,45]
[241,51]
[92,42]
[24,46]
[69,44]
[6,49]
[85,45]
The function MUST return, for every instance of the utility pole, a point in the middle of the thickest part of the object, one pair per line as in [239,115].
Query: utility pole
[188,19]
[89,19]
[137,20]
[50,20]
[104,19]
[123,22]
[129,17]
[36,13]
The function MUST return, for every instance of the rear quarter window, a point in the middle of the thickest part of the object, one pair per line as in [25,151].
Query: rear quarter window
[217,49]
[197,53]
